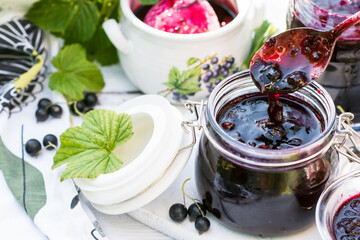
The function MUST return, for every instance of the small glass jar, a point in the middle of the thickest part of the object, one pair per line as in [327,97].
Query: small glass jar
[332,198]
[259,191]
[342,77]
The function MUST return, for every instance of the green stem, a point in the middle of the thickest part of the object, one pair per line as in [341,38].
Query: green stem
[166,91]
[167,94]
[192,199]
[47,146]
[69,102]
[77,110]
[51,145]
[205,60]
[108,8]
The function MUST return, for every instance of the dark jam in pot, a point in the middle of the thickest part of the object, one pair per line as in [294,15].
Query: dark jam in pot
[342,77]
[248,121]
[347,220]
[223,12]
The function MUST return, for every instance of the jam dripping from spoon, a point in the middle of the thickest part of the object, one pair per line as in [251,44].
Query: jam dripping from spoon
[292,59]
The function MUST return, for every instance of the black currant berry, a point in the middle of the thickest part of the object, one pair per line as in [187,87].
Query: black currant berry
[55,111]
[50,139]
[216,212]
[90,99]
[80,107]
[88,109]
[194,212]
[178,212]
[202,224]
[44,103]
[32,147]
[41,114]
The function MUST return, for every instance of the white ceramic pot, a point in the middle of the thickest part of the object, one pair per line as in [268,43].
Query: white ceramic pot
[147,54]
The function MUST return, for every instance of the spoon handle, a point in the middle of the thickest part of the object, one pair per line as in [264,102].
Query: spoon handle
[346,24]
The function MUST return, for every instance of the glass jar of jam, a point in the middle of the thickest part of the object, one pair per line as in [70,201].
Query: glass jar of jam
[260,183]
[342,76]
[338,208]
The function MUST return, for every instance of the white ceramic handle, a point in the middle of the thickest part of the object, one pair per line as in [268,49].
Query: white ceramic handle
[113,31]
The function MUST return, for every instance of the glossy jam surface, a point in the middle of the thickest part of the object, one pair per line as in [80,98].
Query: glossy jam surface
[247,120]
[347,220]
[342,77]
[224,13]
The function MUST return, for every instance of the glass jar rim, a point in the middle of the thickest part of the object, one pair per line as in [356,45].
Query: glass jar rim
[277,155]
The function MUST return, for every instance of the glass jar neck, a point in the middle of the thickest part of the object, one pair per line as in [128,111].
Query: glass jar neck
[241,84]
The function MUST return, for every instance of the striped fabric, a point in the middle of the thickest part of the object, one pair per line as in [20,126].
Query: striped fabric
[18,41]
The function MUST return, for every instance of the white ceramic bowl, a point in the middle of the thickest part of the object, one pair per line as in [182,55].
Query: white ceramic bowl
[147,54]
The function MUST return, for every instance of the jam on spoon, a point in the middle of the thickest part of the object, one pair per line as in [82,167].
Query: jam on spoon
[292,59]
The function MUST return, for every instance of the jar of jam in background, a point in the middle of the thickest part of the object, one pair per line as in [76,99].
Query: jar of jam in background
[265,192]
[342,76]
[334,200]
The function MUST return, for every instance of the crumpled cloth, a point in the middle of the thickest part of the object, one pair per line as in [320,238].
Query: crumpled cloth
[53,206]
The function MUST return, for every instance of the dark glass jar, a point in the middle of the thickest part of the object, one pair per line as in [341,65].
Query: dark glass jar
[260,191]
[342,77]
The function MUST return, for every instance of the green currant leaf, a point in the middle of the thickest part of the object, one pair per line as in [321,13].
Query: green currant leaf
[148,2]
[189,81]
[75,73]
[53,16]
[261,34]
[174,78]
[99,48]
[184,83]
[83,24]
[87,151]
[192,61]
[107,56]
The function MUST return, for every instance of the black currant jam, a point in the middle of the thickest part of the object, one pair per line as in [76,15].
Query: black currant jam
[347,219]
[247,120]
[342,77]
[260,170]
[224,13]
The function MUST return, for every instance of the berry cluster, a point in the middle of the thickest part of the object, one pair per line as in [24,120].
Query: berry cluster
[177,96]
[215,71]
[85,105]
[46,108]
[33,146]
[212,74]
[197,211]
